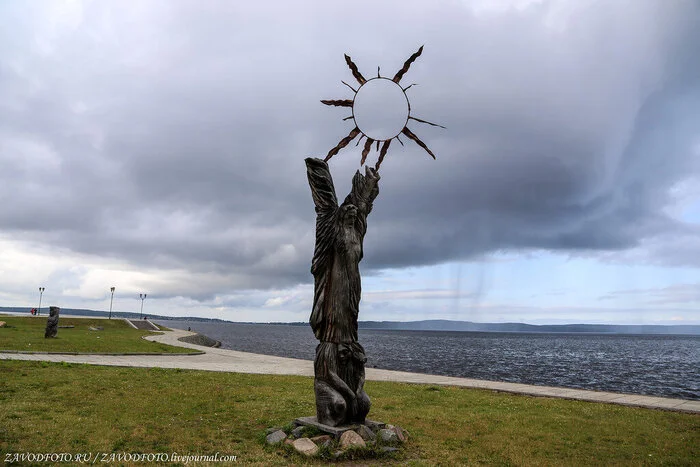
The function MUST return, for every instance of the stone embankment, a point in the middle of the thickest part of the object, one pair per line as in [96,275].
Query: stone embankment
[199,339]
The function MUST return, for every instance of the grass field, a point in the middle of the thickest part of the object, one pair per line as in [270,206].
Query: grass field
[26,333]
[53,407]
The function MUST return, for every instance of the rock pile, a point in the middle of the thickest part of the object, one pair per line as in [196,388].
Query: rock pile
[373,438]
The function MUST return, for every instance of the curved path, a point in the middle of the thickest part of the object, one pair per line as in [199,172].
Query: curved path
[243,362]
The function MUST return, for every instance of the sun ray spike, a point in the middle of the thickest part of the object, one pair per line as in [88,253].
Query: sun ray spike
[360,140]
[346,84]
[338,103]
[425,121]
[377,145]
[365,150]
[409,86]
[407,65]
[358,76]
[399,140]
[343,142]
[378,75]
[420,143]
[348,118]
[385,148]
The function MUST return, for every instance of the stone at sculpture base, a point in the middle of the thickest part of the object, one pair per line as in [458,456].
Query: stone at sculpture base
[52,322]
[351,439]
[276,437]
[305,446]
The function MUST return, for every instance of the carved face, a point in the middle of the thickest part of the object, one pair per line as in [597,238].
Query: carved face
[344,353]
[346,360]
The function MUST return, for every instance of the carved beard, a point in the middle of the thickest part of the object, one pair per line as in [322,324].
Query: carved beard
[326,359]
[353,371]
[348,234]
[350,374]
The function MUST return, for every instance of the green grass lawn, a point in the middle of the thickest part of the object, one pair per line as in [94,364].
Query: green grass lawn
[53,407]
[27,333]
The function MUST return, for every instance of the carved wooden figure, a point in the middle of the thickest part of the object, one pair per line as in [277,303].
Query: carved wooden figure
[339,365]
[52,322]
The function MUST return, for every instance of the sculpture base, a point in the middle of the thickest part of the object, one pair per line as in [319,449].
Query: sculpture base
[336,431]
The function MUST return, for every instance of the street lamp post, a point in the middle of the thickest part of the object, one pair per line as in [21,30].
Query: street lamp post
[143,297]
[110,302]
[41,294]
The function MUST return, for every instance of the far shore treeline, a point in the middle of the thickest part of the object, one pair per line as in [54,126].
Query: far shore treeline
[424,325]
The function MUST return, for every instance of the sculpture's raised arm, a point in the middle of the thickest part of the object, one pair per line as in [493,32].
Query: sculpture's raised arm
[365,189]
[323,193]
[321,184]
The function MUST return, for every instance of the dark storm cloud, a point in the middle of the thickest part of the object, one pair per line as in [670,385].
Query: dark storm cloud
[173,135]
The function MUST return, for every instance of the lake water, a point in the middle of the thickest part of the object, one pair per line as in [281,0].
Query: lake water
[639,364]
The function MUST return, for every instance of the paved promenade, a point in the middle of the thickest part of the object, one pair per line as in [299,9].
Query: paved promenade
[243,362]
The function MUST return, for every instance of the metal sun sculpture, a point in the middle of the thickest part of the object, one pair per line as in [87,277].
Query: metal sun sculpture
[365,92]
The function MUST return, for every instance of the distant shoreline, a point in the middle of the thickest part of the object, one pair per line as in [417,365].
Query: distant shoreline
[428,325]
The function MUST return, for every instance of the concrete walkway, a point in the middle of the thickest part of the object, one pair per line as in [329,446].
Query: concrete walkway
[243,362]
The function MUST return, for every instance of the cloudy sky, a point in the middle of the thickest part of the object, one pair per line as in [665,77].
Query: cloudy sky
[158,147]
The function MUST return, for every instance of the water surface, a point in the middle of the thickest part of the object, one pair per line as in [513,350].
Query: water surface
[659,365]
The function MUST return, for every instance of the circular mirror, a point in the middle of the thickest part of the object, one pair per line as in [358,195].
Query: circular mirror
[380,109]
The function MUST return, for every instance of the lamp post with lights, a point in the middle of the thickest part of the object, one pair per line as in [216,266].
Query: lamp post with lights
[41,294]
[110,302]
[143,297]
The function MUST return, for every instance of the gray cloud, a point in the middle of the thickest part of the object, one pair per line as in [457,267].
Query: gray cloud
[673,295]
[172,135]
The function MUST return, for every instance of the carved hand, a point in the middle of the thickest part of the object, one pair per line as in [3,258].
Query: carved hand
[341,386]
[372,175]
[360,385]
[371,190]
